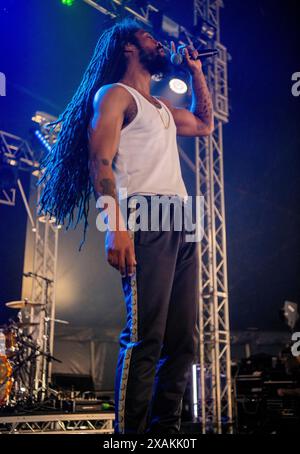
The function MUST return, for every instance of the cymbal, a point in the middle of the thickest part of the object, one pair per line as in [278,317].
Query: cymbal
[21,304]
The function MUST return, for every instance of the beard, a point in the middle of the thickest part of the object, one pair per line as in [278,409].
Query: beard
[155,62]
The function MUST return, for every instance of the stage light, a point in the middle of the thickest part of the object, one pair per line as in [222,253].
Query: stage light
[208,30]
[178,86]
[42,139]
[195,391]
[204,31]
[12,162]
[67,2]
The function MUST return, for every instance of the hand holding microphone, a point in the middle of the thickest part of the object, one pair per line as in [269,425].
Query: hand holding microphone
[189,55]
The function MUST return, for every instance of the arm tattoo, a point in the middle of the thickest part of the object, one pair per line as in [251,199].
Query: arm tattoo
[202,106]
[103,183]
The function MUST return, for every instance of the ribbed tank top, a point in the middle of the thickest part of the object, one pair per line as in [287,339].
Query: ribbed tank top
[147,159]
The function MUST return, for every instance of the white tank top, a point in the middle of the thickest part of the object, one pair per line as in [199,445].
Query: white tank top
[147,159]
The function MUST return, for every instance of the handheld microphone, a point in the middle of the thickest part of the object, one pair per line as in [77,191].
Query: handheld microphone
[177,58]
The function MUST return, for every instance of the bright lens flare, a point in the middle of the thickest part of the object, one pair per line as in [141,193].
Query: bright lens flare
[178,86]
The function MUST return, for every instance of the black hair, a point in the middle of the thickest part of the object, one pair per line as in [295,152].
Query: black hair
[66,184]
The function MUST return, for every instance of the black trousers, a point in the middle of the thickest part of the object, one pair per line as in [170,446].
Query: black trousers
[159,343]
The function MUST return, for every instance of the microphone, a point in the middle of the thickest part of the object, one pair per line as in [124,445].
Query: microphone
[177,58]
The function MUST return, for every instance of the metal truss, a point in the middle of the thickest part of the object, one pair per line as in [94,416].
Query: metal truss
[8,197]
[218,83]
[208,10]
[44,264]
[215,393]
[117,8]
[58,424]
[16,153]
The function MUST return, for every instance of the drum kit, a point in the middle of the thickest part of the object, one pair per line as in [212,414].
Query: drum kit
[21,352]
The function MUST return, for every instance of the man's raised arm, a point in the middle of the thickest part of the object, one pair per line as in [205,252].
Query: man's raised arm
[198,121]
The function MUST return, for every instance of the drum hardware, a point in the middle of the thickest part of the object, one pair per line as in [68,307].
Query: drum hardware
[18,367]
[45,340]
[24,369]
[17,372]
[46,327]
[6,380]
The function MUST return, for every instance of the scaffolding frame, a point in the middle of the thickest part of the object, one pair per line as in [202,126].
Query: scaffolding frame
[44,264]
[17,153]
[43,292]
[71,424]
[215,393]
[116,8]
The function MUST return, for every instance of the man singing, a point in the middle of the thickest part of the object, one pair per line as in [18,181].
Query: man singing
[114,135]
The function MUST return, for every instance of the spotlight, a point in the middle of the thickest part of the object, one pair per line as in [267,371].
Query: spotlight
[178,86]
[68,2]
[208,30]
[195,391]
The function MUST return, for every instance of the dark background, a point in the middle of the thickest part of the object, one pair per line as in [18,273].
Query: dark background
[44,49]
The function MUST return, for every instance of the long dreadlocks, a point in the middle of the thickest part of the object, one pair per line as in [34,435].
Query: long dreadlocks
[66,182]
